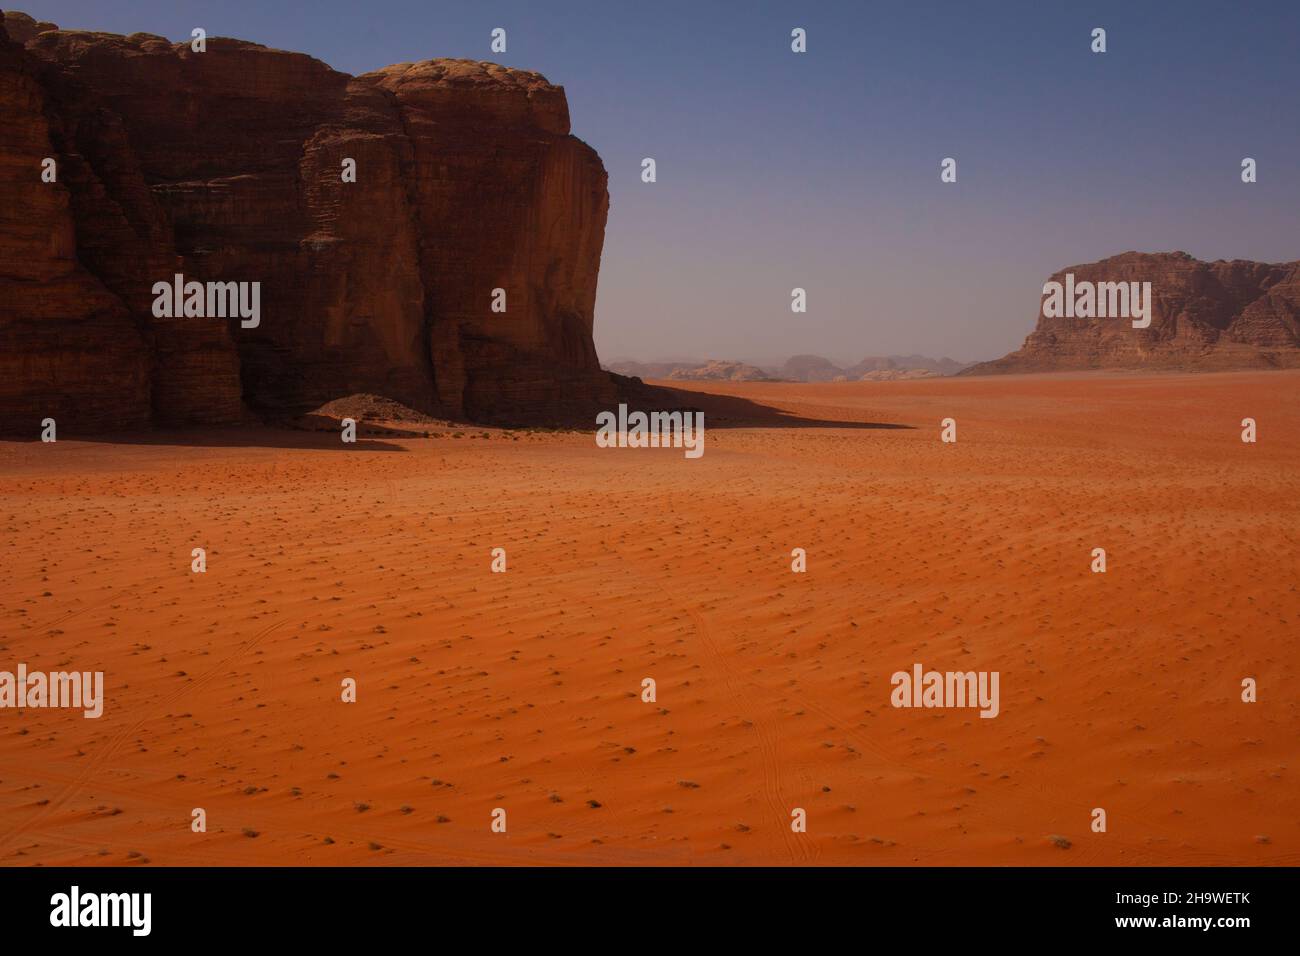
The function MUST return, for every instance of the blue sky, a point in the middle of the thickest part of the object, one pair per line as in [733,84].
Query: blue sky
[821,170]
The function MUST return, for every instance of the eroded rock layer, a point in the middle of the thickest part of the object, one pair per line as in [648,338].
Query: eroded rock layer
[227,166]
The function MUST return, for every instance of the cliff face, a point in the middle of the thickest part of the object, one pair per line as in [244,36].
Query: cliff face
[226,166]
[1205,315]
[65,338]
[504,198]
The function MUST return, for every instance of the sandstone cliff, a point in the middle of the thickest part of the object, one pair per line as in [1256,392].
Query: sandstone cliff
[226,165]
[1205,315]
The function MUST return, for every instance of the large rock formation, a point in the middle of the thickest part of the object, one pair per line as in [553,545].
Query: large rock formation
[1205,315]
[70,349]
[226,166]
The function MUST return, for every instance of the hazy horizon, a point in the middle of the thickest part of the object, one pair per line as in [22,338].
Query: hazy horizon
[761,362]
[821,170]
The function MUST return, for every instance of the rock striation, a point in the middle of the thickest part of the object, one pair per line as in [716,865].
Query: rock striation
[1205,316]
[227,166]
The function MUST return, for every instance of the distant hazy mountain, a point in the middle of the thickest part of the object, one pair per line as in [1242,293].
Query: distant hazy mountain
[720,371]
[799,368]
[893,363]
[810,368]
[646,369]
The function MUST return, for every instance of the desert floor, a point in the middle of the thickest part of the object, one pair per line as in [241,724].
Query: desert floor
[478,690]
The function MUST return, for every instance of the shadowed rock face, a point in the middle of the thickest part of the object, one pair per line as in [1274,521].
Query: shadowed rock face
[226,166]
[1205,315]
[503,198]
[65,338]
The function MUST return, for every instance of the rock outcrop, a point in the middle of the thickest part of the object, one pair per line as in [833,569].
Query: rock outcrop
[227,166]
[1205,316]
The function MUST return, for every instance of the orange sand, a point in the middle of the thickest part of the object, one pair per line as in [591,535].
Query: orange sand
[522,690]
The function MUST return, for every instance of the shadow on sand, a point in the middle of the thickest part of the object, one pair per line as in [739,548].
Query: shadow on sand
[720,411]
[729,411]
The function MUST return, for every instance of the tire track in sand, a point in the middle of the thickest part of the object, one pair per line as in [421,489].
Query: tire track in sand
[107,751]
[797,849]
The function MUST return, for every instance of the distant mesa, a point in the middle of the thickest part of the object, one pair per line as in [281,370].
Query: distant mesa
[1227,314]
[225,166]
